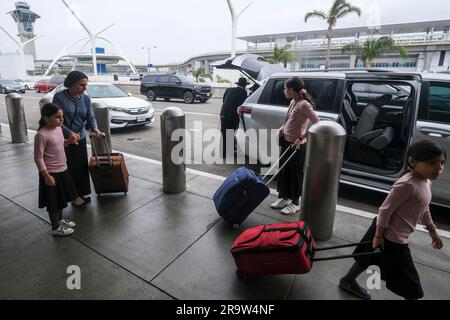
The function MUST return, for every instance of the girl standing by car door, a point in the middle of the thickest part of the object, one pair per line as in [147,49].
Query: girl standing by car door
[293,136]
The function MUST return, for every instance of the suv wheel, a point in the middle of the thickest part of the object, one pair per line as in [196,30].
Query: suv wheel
[188,97]
[151,96]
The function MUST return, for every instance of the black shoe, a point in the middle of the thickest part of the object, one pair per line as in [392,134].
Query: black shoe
[355,289]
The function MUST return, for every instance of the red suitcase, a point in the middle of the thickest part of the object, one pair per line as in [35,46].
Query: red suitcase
[287,248]
[108,172]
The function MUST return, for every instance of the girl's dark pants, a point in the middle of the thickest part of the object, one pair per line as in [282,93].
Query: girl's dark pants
[290,179]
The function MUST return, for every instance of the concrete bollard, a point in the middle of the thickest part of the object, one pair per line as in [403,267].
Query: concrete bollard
[173,170]
[101,113]
[16,118]
[323,163]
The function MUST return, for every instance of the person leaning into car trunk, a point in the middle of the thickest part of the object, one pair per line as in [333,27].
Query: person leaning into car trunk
[293,136]
[78,115]
[229,118]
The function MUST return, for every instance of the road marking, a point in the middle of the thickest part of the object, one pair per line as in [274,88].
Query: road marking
[353,211]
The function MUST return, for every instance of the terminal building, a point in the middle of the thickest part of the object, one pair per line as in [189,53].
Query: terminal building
[428,45]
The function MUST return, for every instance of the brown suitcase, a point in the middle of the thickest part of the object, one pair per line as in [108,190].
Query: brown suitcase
[108,172]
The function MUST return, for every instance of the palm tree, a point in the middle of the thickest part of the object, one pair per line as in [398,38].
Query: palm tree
[338,10]
[373,48]
[282,55]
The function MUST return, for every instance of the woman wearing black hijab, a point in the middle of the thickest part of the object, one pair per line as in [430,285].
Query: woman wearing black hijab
[78,116]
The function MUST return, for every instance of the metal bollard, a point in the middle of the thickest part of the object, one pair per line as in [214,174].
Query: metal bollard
[101,113]
[173,170]
[16,118]
[43,102]
[323,163]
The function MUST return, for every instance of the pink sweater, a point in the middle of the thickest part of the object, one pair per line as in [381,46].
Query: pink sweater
[299,115]
[49,151]
[406,205]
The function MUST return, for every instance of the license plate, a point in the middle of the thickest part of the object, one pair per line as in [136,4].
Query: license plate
[141,118]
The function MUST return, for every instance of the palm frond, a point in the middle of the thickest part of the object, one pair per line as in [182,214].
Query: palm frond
[316,14]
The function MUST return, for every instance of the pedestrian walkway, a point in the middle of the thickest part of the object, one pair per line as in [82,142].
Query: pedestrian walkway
[151,245]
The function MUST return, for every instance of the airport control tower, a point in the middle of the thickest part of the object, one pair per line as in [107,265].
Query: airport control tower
[25,19]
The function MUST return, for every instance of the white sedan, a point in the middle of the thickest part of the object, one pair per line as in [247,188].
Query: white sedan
[124,110]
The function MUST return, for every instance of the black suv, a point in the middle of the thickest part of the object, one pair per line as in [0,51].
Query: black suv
[177,86]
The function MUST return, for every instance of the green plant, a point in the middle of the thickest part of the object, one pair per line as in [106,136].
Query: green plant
[222,80]
[374,48]
[282,55]
[338,10]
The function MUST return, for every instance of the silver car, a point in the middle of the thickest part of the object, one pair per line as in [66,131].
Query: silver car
[382,112]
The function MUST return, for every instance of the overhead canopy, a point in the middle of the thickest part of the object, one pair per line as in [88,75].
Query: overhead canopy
[250,64]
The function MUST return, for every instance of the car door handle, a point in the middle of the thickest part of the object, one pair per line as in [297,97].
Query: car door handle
[435,132]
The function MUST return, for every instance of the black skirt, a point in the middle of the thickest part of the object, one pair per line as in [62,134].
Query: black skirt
[290,179]
[396,265]
[77,162]
[56,198]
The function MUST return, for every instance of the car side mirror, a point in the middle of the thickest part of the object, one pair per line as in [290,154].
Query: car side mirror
[129,94]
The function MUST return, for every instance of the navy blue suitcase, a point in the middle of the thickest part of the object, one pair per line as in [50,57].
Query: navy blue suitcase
[242,192]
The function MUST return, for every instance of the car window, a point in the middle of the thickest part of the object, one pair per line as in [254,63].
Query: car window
[149,79]
[163,79]
[105,91]
[439,102]
[323,91]
[174,80]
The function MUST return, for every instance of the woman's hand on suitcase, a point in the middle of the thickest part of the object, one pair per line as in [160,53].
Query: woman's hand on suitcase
[378,242]
[97,133]
[280,132]
[437,241]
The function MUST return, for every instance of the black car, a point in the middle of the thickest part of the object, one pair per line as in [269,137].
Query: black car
[170,86]
[8,86]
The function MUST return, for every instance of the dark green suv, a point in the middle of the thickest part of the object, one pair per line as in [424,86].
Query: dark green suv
[169,86]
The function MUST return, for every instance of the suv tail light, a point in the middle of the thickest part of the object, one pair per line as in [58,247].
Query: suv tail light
[243,110]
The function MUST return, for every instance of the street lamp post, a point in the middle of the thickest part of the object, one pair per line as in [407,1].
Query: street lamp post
[149,55]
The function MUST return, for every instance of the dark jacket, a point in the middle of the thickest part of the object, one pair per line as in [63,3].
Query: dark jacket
[232,99]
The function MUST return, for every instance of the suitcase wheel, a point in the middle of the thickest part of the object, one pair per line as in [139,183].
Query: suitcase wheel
[236,226]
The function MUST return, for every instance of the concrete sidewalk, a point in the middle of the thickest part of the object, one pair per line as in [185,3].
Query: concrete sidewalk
[150,245]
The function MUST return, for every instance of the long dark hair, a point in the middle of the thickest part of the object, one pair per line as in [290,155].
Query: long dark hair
[424,150]
[298,86]
[47,110]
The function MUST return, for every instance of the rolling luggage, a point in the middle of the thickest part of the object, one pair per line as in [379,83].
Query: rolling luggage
[287,248]
[242,192]
[108,171]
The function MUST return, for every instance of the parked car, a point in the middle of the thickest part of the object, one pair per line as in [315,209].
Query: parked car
[27,84]
[136,76]
[395,108]
[48,85]
[125,110]
[8,86]
[177,86]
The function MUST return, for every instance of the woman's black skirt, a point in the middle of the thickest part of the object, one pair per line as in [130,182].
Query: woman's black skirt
[396,265]
[77,162]
[56,198]
[290,179]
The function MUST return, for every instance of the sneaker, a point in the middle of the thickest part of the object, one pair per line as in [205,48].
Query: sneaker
[62,232]
[68,224]
[291,210]
[280,204]
[355,289]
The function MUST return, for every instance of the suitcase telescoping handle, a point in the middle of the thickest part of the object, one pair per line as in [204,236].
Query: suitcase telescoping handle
[276,164]
[377,251]
[103,137]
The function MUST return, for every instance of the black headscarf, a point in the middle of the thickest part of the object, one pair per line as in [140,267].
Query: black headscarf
[73,77]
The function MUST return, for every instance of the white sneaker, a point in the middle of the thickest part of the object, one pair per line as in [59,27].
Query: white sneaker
[291,210]
[68,224]
[62,232]
[280,204]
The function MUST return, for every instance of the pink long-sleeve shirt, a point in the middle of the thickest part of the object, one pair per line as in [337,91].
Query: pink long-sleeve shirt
[49,151]
[299,115]
[406,205]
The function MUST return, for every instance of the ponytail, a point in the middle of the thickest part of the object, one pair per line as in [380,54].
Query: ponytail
[298,85]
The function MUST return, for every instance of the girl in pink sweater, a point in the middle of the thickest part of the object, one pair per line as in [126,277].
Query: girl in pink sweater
[56,187]
[406,205]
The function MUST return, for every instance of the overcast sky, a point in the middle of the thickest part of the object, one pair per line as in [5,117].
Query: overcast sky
[184,28]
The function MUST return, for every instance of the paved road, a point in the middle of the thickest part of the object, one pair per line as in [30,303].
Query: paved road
[145,142]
